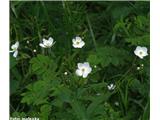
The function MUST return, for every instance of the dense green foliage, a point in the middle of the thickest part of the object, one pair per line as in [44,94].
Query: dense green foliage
[111,31]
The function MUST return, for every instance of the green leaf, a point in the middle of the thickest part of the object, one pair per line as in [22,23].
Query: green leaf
[14,85]
[93,59]
[146,112]
[16,73]
[43,65]
[45,112]
[108,55]
[19,114]
[143,40]
[79,110]
[63,93]
[37,93]
[96,103]
[13,62]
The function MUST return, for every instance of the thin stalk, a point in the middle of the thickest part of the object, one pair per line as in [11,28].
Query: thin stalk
[39,35]
[91,31]
[47,16]
[126,73]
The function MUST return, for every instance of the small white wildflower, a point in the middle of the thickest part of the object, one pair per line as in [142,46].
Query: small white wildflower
[138,68]
[35,50]
[83,69]
[142,65]
[95,66]
[141,52]
[78,42]
[47,43]
[27,42]
[116,103]
[14,48]
[65,73]
[111,86]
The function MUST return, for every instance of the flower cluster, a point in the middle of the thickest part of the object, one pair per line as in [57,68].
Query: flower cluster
[83,68]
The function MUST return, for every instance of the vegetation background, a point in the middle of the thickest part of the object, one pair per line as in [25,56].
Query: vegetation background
[111,31]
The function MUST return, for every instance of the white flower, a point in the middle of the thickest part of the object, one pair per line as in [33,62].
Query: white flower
[65,73]
[116,103]
[47,43]
[35,50]
[78,42]
[141,52]
[83,69]
[14,48]
[95,66]
[27,42]
[111,87]
[138,68]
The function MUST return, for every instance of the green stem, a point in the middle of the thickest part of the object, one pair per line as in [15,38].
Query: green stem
[47,16]
[126,73]
[91,31]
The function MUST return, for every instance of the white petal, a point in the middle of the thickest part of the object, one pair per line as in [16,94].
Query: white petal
[81,44]
[85,74]
[17,44]
[80,65]
[89,69]
[74,41]
[78,39]
[138,48]
[15,53]
[145,54]
[140,56]
[86,64]
[46,43]
[53,42]
[42,45]
[13,47]
[78,72]
[136,52]
[144,49]
[75,46]
[50,40]
[44,40]
[109,88]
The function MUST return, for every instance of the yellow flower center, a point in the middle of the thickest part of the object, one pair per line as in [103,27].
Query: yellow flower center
[83,70]
[140,52]
[77,42]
